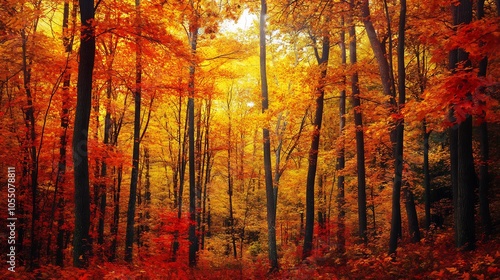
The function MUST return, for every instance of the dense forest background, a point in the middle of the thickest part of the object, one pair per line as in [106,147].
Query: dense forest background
[250,139]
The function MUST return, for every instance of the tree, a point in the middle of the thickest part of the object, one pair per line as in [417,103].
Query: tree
[341,153]
[193,42]
[81,239]
[462,162]
[270,196]
[398,164]
[129,239]
[314,149]
[484,206]
[61,172]
[360,142]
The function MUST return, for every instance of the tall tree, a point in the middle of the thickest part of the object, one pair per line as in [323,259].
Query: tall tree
[81,238]
[484,205]
[270,197]
[398,163]
[61,172]
[194,26]
[129,238]
[341,152]
[360,140]
[462,162]
[314,149]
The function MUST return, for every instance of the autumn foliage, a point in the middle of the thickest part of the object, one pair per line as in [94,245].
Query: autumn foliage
[364,128]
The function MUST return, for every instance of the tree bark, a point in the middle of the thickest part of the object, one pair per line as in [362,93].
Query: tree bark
[484,205]
[379,52]
[360,142]
[463,176]
[63,141]
[411,213]
[193,239]
[398,153]
[130,232]
[313,151]
[270,198]
[81,238]
[341,153]
[427,179]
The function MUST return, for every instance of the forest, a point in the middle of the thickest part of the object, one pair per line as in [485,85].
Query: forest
[230,139]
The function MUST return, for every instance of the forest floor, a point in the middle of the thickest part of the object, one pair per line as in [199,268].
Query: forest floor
[434,257]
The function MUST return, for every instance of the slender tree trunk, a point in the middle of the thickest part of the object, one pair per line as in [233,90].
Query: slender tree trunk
[193,239]
[81,238]
[181,171]
[484,205]
[61,174]
[230,184]
[427,179]
[104,166]
[208,168]
[33,158]
[313,151]
[398,155]
[129,238]
[341,154]
[270,200]
[147,191]
[116,213]
[360,142]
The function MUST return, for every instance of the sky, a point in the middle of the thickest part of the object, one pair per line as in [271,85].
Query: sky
[245,21]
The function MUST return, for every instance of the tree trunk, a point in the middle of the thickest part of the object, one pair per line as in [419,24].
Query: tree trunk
[378,50]
[33,158]
[313,151]
[411,213]
[129,236]
[484,205]
[61,173]
[341,154]
[81,238]
[463,177]
[230,184]
[270,199]
[427,179]
[360,142]
[398,153]
[193,239]
[116,213]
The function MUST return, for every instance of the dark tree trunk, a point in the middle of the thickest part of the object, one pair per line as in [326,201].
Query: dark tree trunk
[61,174]
[427,179]
[179,176]
[81,238]
[208,167]
[193,239]
[484,205]
[313,151]
[129,235]
[104,166]
[147,191]
[230,184]
[116,214]
[379,52]
[398,153]
[462,162]
[360,142]
[270,198]
[411,212]
[33,158]
[341,155]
